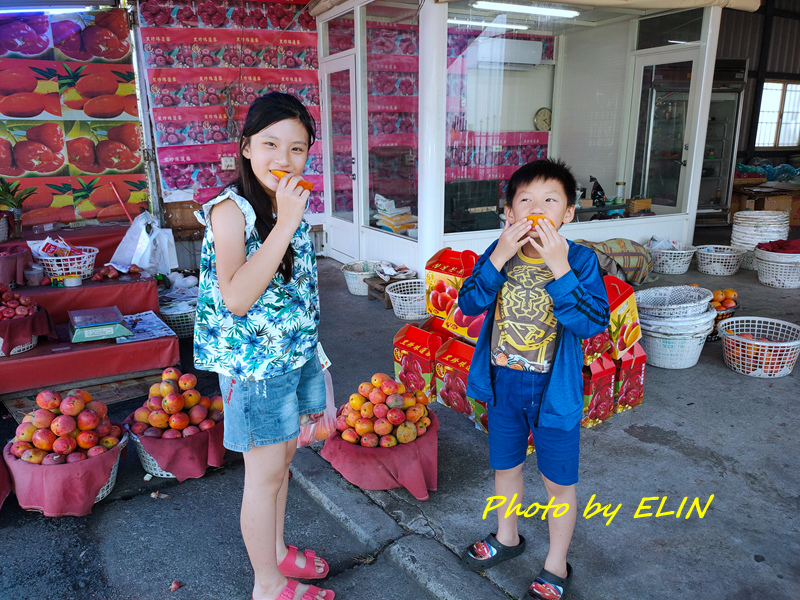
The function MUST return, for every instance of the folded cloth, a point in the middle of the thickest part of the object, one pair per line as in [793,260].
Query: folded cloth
[412,466]
[16,332]
[12,267]
[781,246]
[67,490]
[186,458]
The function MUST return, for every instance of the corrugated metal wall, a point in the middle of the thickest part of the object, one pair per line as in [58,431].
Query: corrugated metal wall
[740,37]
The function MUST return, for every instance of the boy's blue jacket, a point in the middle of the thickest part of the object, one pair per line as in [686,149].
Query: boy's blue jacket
[580,304]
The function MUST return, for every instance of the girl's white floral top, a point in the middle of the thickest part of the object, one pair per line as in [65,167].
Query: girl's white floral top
[279,332]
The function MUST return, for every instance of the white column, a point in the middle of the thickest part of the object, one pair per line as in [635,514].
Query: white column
[432,133]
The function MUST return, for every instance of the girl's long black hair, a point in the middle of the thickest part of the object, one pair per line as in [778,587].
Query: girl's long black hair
[266,111]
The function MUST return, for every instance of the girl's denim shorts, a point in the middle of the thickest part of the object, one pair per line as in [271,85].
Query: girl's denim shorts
[260,413]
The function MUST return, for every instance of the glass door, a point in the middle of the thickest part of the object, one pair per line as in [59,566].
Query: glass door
[339,98]
[662,150]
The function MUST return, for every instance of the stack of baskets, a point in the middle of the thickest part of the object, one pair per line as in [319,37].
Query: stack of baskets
[408,299]
[751,227]
[675,321]
[760,347]
[179,316]
[356,272]
[776,269]
[719,260]
[672,261]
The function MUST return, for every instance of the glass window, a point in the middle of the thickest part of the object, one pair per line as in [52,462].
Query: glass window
[340,34]
[779,117]
[392,115]
[499,102]
[667,30]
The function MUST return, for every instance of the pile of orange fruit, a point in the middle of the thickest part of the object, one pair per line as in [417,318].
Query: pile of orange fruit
[725,299]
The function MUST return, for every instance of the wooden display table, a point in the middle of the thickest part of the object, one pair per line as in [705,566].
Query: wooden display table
[105,238]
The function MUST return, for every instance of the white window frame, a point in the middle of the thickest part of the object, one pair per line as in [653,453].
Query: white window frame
[775,140]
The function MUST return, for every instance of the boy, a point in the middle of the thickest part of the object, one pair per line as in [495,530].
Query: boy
[543,294]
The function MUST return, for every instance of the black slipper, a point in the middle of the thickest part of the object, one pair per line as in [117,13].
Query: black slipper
[489,552]
[547,586]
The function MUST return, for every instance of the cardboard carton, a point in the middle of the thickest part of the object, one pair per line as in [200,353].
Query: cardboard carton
[624,322]
[794,214]
[629,379]
[598,391]
[453,360]
[783,203]
[414,353]
[436,325]
[595,346]
[445,272]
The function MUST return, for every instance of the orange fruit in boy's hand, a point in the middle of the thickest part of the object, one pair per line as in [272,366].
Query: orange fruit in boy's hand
[730,293]
[719,296]
[534,219]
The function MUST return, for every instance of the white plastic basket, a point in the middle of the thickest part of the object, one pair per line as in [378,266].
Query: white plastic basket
[719,260]
[758,358]
[408,299]
[356,272]
[679,325]
[672,262]
[3,228]
[669,351]
[673,301]
[779,257]
[59,266]
[148,462]
[182,323]
[112,479]
[778,274]
[22,347]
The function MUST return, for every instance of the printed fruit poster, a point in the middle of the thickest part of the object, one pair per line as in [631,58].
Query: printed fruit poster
[206,63]
[69,114]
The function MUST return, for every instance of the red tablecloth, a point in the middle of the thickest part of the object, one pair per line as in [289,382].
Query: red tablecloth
[412,466]
[105,238]
[130,294]
[67,490]
[12,268]
[782,246]
[186,458]
[15,332]
[53,363]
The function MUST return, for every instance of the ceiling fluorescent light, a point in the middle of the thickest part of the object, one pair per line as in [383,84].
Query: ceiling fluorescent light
[484,24]
[51,11]
[528,10]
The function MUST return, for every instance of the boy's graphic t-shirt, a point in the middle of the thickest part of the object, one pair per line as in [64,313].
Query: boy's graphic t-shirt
[524,325]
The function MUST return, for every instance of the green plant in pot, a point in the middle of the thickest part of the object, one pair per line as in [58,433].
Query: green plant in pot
[12,197]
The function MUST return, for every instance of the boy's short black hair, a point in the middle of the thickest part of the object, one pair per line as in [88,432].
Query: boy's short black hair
[541,170]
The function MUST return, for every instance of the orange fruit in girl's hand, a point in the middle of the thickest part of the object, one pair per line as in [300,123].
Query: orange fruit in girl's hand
[534,219]
[306,185]
[730,293]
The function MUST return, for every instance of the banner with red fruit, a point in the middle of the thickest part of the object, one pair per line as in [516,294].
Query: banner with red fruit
[99,197]
[392,38]
[52,202]
[29,89]
[195,173]
[103,147]
[101,36]
[97,91]
[32,149]
[598,391]
[26,36]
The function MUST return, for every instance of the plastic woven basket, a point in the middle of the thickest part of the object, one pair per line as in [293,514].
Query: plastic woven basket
[721,316]
[112,479]
[778,274]
[719,260]
[757,357]
[408,299]
[59,266]
[3,228]
[679,325]
[356,272]
[674,351]
[672,262]
[22,347]
[148,462]
[182,323]
[673,301]
[779,257]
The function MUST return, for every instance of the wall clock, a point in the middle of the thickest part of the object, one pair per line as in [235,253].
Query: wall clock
[542,119]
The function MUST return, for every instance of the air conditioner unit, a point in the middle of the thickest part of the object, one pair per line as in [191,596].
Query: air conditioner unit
[496,53]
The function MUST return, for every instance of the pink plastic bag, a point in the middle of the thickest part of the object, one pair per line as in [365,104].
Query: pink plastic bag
[324,428]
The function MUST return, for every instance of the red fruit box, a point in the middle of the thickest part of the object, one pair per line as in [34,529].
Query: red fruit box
[598,391]
[629,380]
[436,325]
[414,349]
[624,322]
[595,346]
[445,272]
[452,368]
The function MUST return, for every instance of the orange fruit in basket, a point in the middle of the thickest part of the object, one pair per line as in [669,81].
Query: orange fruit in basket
[719,296]
[717,305]
[729,303]
[731,293]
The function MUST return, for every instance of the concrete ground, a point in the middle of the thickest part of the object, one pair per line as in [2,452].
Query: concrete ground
[700,431]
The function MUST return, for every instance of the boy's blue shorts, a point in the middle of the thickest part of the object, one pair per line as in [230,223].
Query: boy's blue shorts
[518,394]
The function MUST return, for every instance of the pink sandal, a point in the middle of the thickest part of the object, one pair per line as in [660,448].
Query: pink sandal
[288,593]
[288,568]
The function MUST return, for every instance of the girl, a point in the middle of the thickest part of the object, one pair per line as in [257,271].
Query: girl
[256,325]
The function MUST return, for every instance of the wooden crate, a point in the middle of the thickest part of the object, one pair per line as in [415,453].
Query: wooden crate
[376,290]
